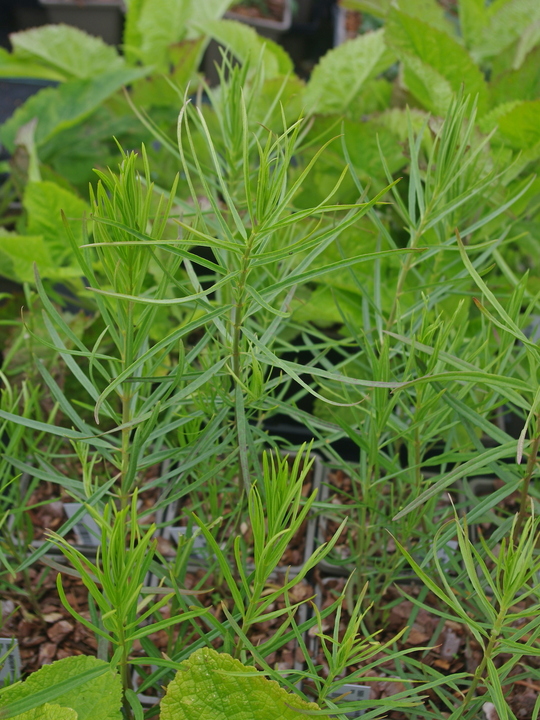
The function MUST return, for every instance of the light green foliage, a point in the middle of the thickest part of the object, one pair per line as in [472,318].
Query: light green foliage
[505,22]
[247,45]
[66,50]
[354,63]
[415,41]
[215,686]
[48,712]
[19,252]
[98,698]
[45,202]
[521,125]
[159,24]
[153,27]
[62,107]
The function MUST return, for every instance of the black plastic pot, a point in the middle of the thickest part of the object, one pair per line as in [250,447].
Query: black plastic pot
[103,18]
[16,91]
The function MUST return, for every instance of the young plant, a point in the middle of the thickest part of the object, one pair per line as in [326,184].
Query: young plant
[115,582]
[498,603]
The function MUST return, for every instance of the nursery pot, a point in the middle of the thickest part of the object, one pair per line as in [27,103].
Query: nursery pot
[267,27]
[16,91]
[103,18]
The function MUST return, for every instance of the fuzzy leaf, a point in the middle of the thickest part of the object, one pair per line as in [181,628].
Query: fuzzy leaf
[429,11]
[44,202]
[97,699]
[68,50]
[341,73]
[427,84]
[18,253]
[48,712]
[520,84]
[521,125]
[65,106]
[506,21]
[472,19]
[413,38]
[214,686]
[161,23]
[245,44]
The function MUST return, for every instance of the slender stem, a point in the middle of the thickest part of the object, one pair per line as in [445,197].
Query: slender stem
[127,390]
[529,471]
[479,671]
[237,338]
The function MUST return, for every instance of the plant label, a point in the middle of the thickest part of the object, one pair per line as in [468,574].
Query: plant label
[86,530]
[353,693]
[443,555]
[10,670]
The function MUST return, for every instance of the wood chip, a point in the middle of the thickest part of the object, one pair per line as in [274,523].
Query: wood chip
[59,630]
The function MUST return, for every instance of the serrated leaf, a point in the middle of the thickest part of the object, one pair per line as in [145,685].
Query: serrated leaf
[215,686]
[520,84]
[506,21]
[472,18]
[19,252]
[429,11]
[97,699]
[45,202]
[68,50]
[64,106]
[427,85]
[413,38]
[341,73]
[245,44]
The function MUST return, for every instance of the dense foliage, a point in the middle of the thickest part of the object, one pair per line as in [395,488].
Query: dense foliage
[356,255]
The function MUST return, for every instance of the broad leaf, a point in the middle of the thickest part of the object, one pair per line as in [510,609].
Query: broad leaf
[341,73]
[156,90]
[472,18]
[99,698]
[160,24]
[521,125]
[245,44]
[67,50]
[427,85]
[44,202]
[507,20]
[378,8]
[65,106]
[520,84]
[18,253]
[214,686]
[413,38]
[429,11]
[48,712]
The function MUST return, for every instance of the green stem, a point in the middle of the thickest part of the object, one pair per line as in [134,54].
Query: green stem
[127,390]
[480,669]
[237,337]
[529,471]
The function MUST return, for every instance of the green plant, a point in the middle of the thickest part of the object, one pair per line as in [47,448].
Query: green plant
[71,689]
[215,684]
[498,604]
